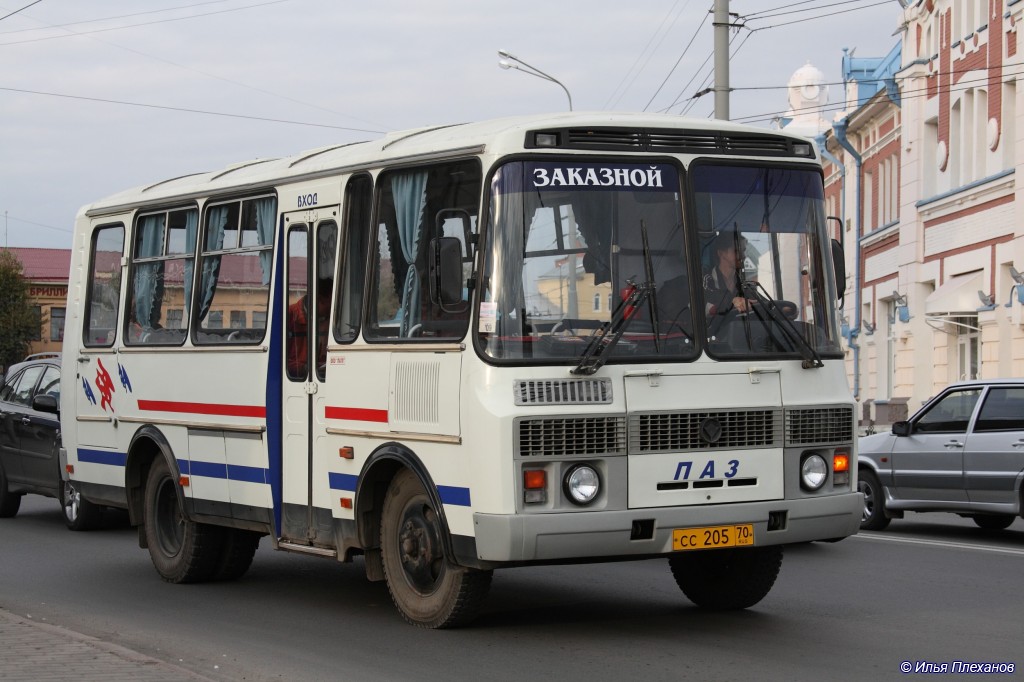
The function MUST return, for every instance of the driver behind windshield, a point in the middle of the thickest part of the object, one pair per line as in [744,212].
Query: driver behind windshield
[722,291]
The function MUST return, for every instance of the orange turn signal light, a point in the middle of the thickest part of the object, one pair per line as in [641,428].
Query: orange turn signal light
[346,503]
[347,452]
[70,468]
[840,462]
[184,481]
[535,479]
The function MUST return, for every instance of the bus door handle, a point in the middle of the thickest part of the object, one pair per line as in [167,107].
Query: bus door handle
[83,358]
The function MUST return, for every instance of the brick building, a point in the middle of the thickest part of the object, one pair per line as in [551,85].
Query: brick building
[47,273]
[922,171]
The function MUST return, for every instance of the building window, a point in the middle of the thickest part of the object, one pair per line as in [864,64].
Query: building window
[215,320]
[259,319]
[37,315]
[968,340]
[238,319]
[56,324]
[174,318]
[597,303]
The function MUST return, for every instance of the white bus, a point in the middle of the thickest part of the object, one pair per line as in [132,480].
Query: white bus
[462,348]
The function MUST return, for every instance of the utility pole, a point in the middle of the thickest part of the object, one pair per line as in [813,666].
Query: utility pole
[721,24]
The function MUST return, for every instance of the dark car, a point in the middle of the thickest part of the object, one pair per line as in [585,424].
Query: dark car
[30,442]
[963,452]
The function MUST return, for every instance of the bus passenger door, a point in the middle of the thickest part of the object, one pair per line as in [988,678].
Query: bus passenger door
[311,245]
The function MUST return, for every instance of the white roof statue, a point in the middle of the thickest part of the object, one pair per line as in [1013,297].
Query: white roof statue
[808,96]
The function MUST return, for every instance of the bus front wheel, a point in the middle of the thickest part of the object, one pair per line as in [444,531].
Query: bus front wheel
[182,551]
[427,590]
[727,579]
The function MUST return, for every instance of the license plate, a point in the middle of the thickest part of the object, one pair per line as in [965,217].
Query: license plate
[739,535]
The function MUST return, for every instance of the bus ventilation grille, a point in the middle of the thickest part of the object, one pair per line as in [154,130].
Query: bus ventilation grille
[677,141]
[571,436]
[819,425]
[682,431]
[563,392]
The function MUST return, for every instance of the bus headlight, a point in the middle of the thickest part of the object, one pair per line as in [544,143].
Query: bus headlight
[813,471]
[582,484]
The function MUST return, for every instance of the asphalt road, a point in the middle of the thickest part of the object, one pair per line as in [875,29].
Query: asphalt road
[931,589]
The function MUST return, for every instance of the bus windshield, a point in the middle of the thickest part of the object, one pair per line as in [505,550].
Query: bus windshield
[590,253]
[569,241]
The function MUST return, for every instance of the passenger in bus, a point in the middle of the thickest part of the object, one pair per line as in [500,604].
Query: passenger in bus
[722,292]
[298,329]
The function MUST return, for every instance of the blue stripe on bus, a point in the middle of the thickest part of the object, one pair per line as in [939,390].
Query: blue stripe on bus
[343,481]
[232,472]
[453,495]
[117,459]
[449,494]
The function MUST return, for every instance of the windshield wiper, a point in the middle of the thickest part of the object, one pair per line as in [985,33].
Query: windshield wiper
[597,351]
[758,292]
[652,298]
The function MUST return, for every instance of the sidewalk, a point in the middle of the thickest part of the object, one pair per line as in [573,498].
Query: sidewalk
[33,651]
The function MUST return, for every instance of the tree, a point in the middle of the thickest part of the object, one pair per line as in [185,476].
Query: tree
[18,321]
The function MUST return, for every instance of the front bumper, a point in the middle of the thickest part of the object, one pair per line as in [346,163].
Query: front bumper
[586,535]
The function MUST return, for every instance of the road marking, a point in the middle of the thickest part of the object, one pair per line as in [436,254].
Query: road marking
[938,543]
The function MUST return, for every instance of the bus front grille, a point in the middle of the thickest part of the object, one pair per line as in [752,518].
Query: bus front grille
[705,430]
[571,436]
[563,391]
[819,425]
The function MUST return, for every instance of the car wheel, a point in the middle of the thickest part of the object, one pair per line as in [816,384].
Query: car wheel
[872,515]
[994,521]
[182,550]
[79,513]
[727,579]
[9,502]
[428,591]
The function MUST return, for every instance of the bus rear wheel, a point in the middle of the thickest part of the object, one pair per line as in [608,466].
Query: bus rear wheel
[727,579]
[182,550]
[427,590]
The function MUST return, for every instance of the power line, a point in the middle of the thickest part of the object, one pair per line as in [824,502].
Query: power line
[192,111]
[674,66]
[766,14]
[18,10]
[822,16]
[144,23]
[645,51]
[201,72]
[120,16]
[773,9]
[42,225]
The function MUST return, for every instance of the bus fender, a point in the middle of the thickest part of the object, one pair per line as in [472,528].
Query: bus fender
[378,470]
[147,444]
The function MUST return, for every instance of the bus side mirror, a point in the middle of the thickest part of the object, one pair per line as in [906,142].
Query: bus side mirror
[444,270]
[839,266]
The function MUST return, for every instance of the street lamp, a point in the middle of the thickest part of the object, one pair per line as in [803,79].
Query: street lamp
[506,63]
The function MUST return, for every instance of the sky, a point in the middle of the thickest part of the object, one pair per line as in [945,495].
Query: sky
[98,97]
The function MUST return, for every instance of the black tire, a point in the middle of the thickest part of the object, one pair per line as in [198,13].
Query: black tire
[79,513]
[727,579]
[236,554]
[182,551]
[994,521]
[872,516]
[427,590]
[9,502]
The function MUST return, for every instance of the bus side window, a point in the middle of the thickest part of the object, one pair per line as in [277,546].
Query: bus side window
[104,294]
[234,272]
[355,231]
[411,201]
[163,259]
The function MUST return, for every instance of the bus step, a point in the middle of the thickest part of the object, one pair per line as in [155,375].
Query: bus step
[306,549]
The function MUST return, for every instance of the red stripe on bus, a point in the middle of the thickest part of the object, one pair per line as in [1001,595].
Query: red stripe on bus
[204,408]
[357,414]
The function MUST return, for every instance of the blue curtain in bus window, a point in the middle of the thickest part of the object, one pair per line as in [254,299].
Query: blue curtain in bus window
[265,210]
[410,193]
[218,218]
[151,243]
[191,228]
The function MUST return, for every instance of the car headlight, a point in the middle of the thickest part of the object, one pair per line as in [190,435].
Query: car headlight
[813,472]
[582,484]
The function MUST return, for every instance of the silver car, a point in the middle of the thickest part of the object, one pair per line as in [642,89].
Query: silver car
[963,452]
